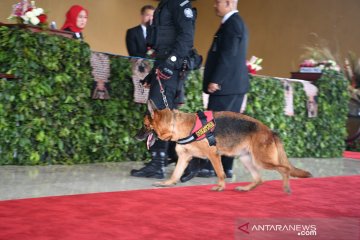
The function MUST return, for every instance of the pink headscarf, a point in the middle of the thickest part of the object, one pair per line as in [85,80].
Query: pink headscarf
[71,18]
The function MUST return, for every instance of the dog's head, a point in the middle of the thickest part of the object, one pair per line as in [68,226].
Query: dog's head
[157,124]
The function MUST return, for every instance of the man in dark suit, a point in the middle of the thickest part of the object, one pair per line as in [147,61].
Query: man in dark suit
[226,77]
[136,36]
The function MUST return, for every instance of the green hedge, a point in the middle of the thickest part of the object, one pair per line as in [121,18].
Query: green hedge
[48,117]
[322,136]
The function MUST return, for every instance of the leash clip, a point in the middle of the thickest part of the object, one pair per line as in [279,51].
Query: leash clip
[164,98]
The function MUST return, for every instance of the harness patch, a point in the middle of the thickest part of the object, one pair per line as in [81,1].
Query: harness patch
[203,128]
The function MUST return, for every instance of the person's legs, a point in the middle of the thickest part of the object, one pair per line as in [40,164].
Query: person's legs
[155,168]
[159,151]
[172,155]
[227,163]
[170,93]
[222,103]
[206,170]
[192,170]
[230,103]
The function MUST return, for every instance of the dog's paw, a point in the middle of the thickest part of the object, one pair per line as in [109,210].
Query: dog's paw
[287,190]
[217,188]
[241,189]
[164,184]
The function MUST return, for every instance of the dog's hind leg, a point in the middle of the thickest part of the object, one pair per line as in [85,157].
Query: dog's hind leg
[249,165]
[267,157]
[285,173]
[215,160]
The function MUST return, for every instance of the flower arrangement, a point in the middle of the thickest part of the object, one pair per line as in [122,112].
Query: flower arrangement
[27,13]
[319,65]
[318,57]
[253,64]
[352,70]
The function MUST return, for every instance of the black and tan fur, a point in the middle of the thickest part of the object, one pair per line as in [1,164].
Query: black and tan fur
[236,135]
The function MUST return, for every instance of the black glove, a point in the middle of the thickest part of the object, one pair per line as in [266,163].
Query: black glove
[166,69]
[148,80]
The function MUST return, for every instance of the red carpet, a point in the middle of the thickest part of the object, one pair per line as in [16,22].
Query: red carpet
[175,213]
[353,155]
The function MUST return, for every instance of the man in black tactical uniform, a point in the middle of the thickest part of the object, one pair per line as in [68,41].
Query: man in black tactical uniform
[171,35]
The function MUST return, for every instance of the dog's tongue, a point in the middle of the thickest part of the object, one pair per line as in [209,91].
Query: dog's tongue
[150,140]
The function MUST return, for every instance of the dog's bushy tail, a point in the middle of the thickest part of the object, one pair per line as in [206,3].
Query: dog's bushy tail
[284,161]
[297,172]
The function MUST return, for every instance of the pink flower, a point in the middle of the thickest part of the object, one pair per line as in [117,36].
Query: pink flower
[308,63]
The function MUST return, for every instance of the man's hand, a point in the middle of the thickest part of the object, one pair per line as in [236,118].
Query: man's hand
[166,69]
[164,73]
[146,85]
[213,87]
[147,81]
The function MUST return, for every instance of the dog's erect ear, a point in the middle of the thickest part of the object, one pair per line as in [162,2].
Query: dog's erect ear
[151,107]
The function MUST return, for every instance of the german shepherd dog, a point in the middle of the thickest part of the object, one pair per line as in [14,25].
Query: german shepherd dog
[236,135]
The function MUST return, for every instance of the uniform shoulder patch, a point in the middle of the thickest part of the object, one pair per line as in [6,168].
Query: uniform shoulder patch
[184,3]
[188,13]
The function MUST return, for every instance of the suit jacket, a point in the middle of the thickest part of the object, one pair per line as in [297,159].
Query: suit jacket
[135,42]
[226,60]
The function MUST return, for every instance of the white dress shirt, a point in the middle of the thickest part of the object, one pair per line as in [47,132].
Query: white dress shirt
[228,15]
[144,30]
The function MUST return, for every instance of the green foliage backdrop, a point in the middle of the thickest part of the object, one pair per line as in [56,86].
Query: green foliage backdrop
[48,117]
[322,136]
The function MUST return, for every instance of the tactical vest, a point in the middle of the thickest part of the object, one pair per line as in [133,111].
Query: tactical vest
[161,35]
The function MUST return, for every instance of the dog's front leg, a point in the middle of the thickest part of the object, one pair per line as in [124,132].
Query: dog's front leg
[182,163]
[215,160]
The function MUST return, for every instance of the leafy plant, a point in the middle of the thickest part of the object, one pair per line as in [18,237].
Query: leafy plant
[322,136]
[193,88]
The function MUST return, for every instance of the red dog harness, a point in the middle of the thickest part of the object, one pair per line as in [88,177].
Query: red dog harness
[204,127]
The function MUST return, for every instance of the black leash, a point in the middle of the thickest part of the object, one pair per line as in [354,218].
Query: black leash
[162,91]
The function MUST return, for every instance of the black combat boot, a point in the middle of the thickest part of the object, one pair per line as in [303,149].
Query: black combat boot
[192,170]
[206,170]
[153,169]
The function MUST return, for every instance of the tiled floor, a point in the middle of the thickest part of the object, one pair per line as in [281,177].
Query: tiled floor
[37,181]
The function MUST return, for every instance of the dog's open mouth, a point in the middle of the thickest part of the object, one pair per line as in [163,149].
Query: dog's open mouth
[148,134]
[151,140]
[142,134]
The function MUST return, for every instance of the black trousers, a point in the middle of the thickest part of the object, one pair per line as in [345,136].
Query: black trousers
[230,103]
[225,103]
[171,92]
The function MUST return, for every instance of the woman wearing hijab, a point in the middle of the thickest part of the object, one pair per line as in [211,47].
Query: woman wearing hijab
[76,19]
